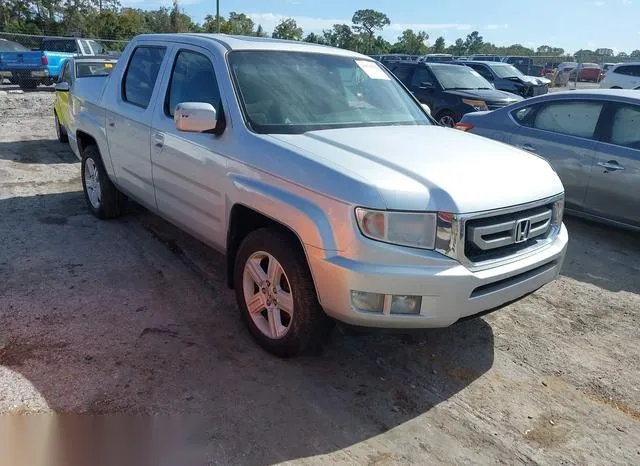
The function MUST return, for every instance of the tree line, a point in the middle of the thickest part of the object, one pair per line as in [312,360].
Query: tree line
[106,19]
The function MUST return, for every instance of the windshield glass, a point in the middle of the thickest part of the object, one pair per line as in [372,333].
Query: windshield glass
[294,92]
[459,77]
[506,71]
[8,46]
[88,69]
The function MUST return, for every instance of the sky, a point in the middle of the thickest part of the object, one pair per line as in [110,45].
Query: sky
[570,24]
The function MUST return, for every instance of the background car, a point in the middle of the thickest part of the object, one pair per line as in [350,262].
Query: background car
[437,57]
[590,72]
[450,91]
[81,79]
[622,76]
[505,77]
[590,137]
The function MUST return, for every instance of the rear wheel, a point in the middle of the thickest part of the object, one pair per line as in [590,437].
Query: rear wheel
[276,295]
[61,131]
[102,197]
[447,118]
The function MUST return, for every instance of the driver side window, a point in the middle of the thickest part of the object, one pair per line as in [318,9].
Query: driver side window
[484,72]
[421,75]
[192,80]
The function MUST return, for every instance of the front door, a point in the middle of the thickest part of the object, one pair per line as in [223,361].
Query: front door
[129,123]
[614,187]
[423,85]
[189,168]
[562,132]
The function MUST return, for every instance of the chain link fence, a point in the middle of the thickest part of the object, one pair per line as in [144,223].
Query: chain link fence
[35,42]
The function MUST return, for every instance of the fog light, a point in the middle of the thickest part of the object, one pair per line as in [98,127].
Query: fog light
[367,302]
[405,304]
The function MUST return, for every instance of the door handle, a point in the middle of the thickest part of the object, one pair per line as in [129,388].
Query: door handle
[111,123]
[158,140]
[611,165]
[527,147]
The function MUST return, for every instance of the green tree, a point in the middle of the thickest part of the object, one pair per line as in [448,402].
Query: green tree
[439,45]
[473,43]
[340,35]
[635,55]
[314,38]
[411,43]
[367,22]
[239,24]
[458,48]
[287,29]
[260,32]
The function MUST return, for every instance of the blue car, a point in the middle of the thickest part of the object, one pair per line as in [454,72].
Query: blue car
[590,137]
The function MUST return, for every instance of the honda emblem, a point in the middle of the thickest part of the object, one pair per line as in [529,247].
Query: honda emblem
[521,231]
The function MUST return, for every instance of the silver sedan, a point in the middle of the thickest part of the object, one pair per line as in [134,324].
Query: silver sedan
[592,140]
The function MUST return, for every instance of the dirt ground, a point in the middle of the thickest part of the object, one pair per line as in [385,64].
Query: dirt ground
[131,317]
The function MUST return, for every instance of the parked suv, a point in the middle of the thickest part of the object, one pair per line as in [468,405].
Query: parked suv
[505,77]
[622,76]
[325,183]
[451,91]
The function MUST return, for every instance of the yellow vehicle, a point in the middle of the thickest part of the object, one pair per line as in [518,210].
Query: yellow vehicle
[81,79]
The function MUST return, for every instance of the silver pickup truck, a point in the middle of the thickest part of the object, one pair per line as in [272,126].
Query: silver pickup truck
[331,192]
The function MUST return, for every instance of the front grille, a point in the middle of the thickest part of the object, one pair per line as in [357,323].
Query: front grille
[500,236]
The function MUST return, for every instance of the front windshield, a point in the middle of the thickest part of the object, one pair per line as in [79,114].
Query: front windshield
[505,70]
[453,77]
[295,92]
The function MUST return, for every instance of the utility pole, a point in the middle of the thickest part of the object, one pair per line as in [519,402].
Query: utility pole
[218,15]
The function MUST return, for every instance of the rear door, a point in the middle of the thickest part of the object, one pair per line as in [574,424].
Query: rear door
[129,121]
[614,187]
[189,168]
[563,132]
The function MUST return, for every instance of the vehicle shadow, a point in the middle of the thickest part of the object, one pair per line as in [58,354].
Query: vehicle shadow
[602,255]
[113,318]
[15,87]
[40,151]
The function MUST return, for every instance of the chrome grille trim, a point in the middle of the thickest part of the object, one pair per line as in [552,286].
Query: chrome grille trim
[497,235]
[451,233]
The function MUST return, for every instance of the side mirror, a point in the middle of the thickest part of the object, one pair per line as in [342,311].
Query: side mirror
[426,109]
[426,85]
[195,117]
[62,87]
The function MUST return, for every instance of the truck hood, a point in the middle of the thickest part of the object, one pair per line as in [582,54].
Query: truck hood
[432,168]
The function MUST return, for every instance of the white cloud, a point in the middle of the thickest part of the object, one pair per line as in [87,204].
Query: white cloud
[627,2]
[497,26]
[598,3]
[270,20]
[430,26]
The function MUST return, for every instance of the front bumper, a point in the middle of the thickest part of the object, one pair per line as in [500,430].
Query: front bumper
[449,290]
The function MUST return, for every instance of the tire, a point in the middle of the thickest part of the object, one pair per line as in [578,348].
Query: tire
[301,324]
[61,131]
[102,197]
[447,118]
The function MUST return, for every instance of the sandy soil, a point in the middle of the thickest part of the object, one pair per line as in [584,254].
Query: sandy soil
[133,317]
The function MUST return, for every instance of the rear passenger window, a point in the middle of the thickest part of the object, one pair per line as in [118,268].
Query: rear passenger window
[141,75]
[192,80]
[572,118]
[625,129]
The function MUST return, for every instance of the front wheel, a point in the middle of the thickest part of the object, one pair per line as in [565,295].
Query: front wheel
[447,118]
[276,295]
[61,132]
[102,197]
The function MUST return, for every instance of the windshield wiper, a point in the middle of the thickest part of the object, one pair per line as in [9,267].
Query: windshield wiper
[459,89]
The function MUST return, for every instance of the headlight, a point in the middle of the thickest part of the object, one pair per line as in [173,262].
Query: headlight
[414,229]
[478,105]
[558,212]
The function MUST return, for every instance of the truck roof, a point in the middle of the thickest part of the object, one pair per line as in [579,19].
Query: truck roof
[231,42]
